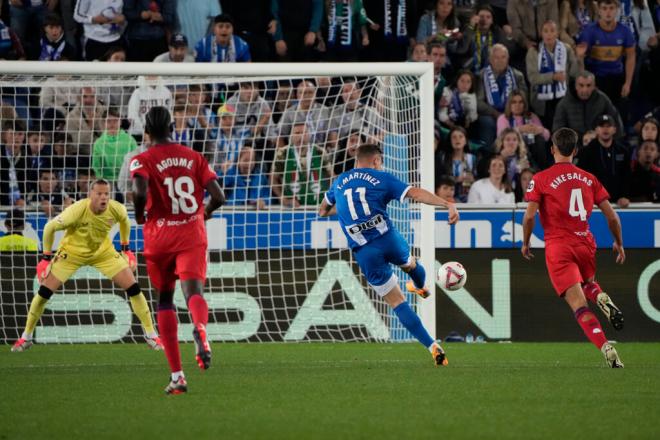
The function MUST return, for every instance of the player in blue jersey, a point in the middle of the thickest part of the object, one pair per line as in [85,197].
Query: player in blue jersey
[359,197]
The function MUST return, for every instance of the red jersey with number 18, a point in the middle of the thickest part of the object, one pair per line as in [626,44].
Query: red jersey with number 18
[175,210]
[566,195]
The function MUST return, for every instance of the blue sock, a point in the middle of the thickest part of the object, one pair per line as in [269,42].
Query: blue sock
[411,321]
[418,276]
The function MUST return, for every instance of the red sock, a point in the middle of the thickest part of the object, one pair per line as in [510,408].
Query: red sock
[590,326]
[168,327]
[591,290]
[199,310]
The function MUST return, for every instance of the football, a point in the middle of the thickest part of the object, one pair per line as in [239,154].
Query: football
[452,276]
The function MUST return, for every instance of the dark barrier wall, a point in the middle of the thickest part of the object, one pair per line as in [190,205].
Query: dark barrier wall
[269,296]
[517,296]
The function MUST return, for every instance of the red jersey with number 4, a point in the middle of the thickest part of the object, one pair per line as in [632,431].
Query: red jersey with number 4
[175,209]
[566,195]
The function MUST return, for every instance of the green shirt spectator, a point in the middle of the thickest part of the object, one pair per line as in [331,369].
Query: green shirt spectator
[111,147]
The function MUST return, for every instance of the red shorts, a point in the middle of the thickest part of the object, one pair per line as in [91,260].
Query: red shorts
[164,269]
[569,264]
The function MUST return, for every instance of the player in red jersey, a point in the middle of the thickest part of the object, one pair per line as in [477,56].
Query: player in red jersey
[564,196]
[170,180]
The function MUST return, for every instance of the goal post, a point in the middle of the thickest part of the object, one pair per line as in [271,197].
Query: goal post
[276,273]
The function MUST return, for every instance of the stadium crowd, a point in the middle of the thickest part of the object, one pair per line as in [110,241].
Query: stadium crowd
[507,74]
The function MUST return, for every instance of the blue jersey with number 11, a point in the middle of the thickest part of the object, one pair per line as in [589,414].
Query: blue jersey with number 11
[361,196]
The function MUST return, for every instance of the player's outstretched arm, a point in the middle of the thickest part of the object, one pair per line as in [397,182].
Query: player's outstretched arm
[217,198]
[140,189]
[614,224]
[423,196]
[528,227]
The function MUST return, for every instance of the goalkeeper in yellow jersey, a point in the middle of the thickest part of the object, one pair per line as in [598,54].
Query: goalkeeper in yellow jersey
[87,243]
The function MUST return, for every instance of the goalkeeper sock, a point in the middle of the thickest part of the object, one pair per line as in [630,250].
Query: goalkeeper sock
[591,290]
[590,326]
[199,310]
[141,309]
[418,276]
[411,321]
[37,307]
[168,327]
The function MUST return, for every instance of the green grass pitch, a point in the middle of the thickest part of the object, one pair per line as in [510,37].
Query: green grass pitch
[334,391]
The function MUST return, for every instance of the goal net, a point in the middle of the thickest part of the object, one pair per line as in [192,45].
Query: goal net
[276,135]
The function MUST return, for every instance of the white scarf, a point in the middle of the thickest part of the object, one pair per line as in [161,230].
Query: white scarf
[547,64]
[229,54]
[496,97]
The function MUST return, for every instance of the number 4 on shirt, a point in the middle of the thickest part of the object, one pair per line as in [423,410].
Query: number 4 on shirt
[576,205]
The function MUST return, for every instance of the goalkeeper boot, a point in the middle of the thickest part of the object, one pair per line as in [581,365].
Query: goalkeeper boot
[608,308]
[178,386]
[423,292]
[439,356]
[22,345]
[202,346]
[154,343]
[611,356]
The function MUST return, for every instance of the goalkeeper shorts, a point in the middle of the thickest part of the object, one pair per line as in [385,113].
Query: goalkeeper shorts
[106,260]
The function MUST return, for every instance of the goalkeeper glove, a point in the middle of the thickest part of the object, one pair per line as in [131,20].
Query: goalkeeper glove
[43,267]
[129,257]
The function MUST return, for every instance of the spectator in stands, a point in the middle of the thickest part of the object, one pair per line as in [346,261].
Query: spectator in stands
[445,187]
[495,188]
[391,35]
[39,157]
[256,25]
[196,17]
[582,106]
[222,46]
[305,110]
[69,24]
[84,122]
[525,178]
[54,46]
[440,24]
[182,132]
[84,178]
[574,15]
[13,240]
[110,149]
[66,165]
[549,69]
[649,130]
[11,47]
[526,19]
[149,21]
[103,25]
[13,163]
[201,118]
[230,140]
[298,27]
[418,53]
[458,163]
[511,147]
[437,54]
[494,87]
[345,154]
[252,111]
[484,34]
[461,99]
[283,99]
[50,198]
[27,16]
[535,136]
[608,160]
[346,116]
[636,15]
[347,30]
[149,93]
[177,51]
[301,173]
[124,181]
[606,43]
[645,177]
[116,54]
[245,183]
